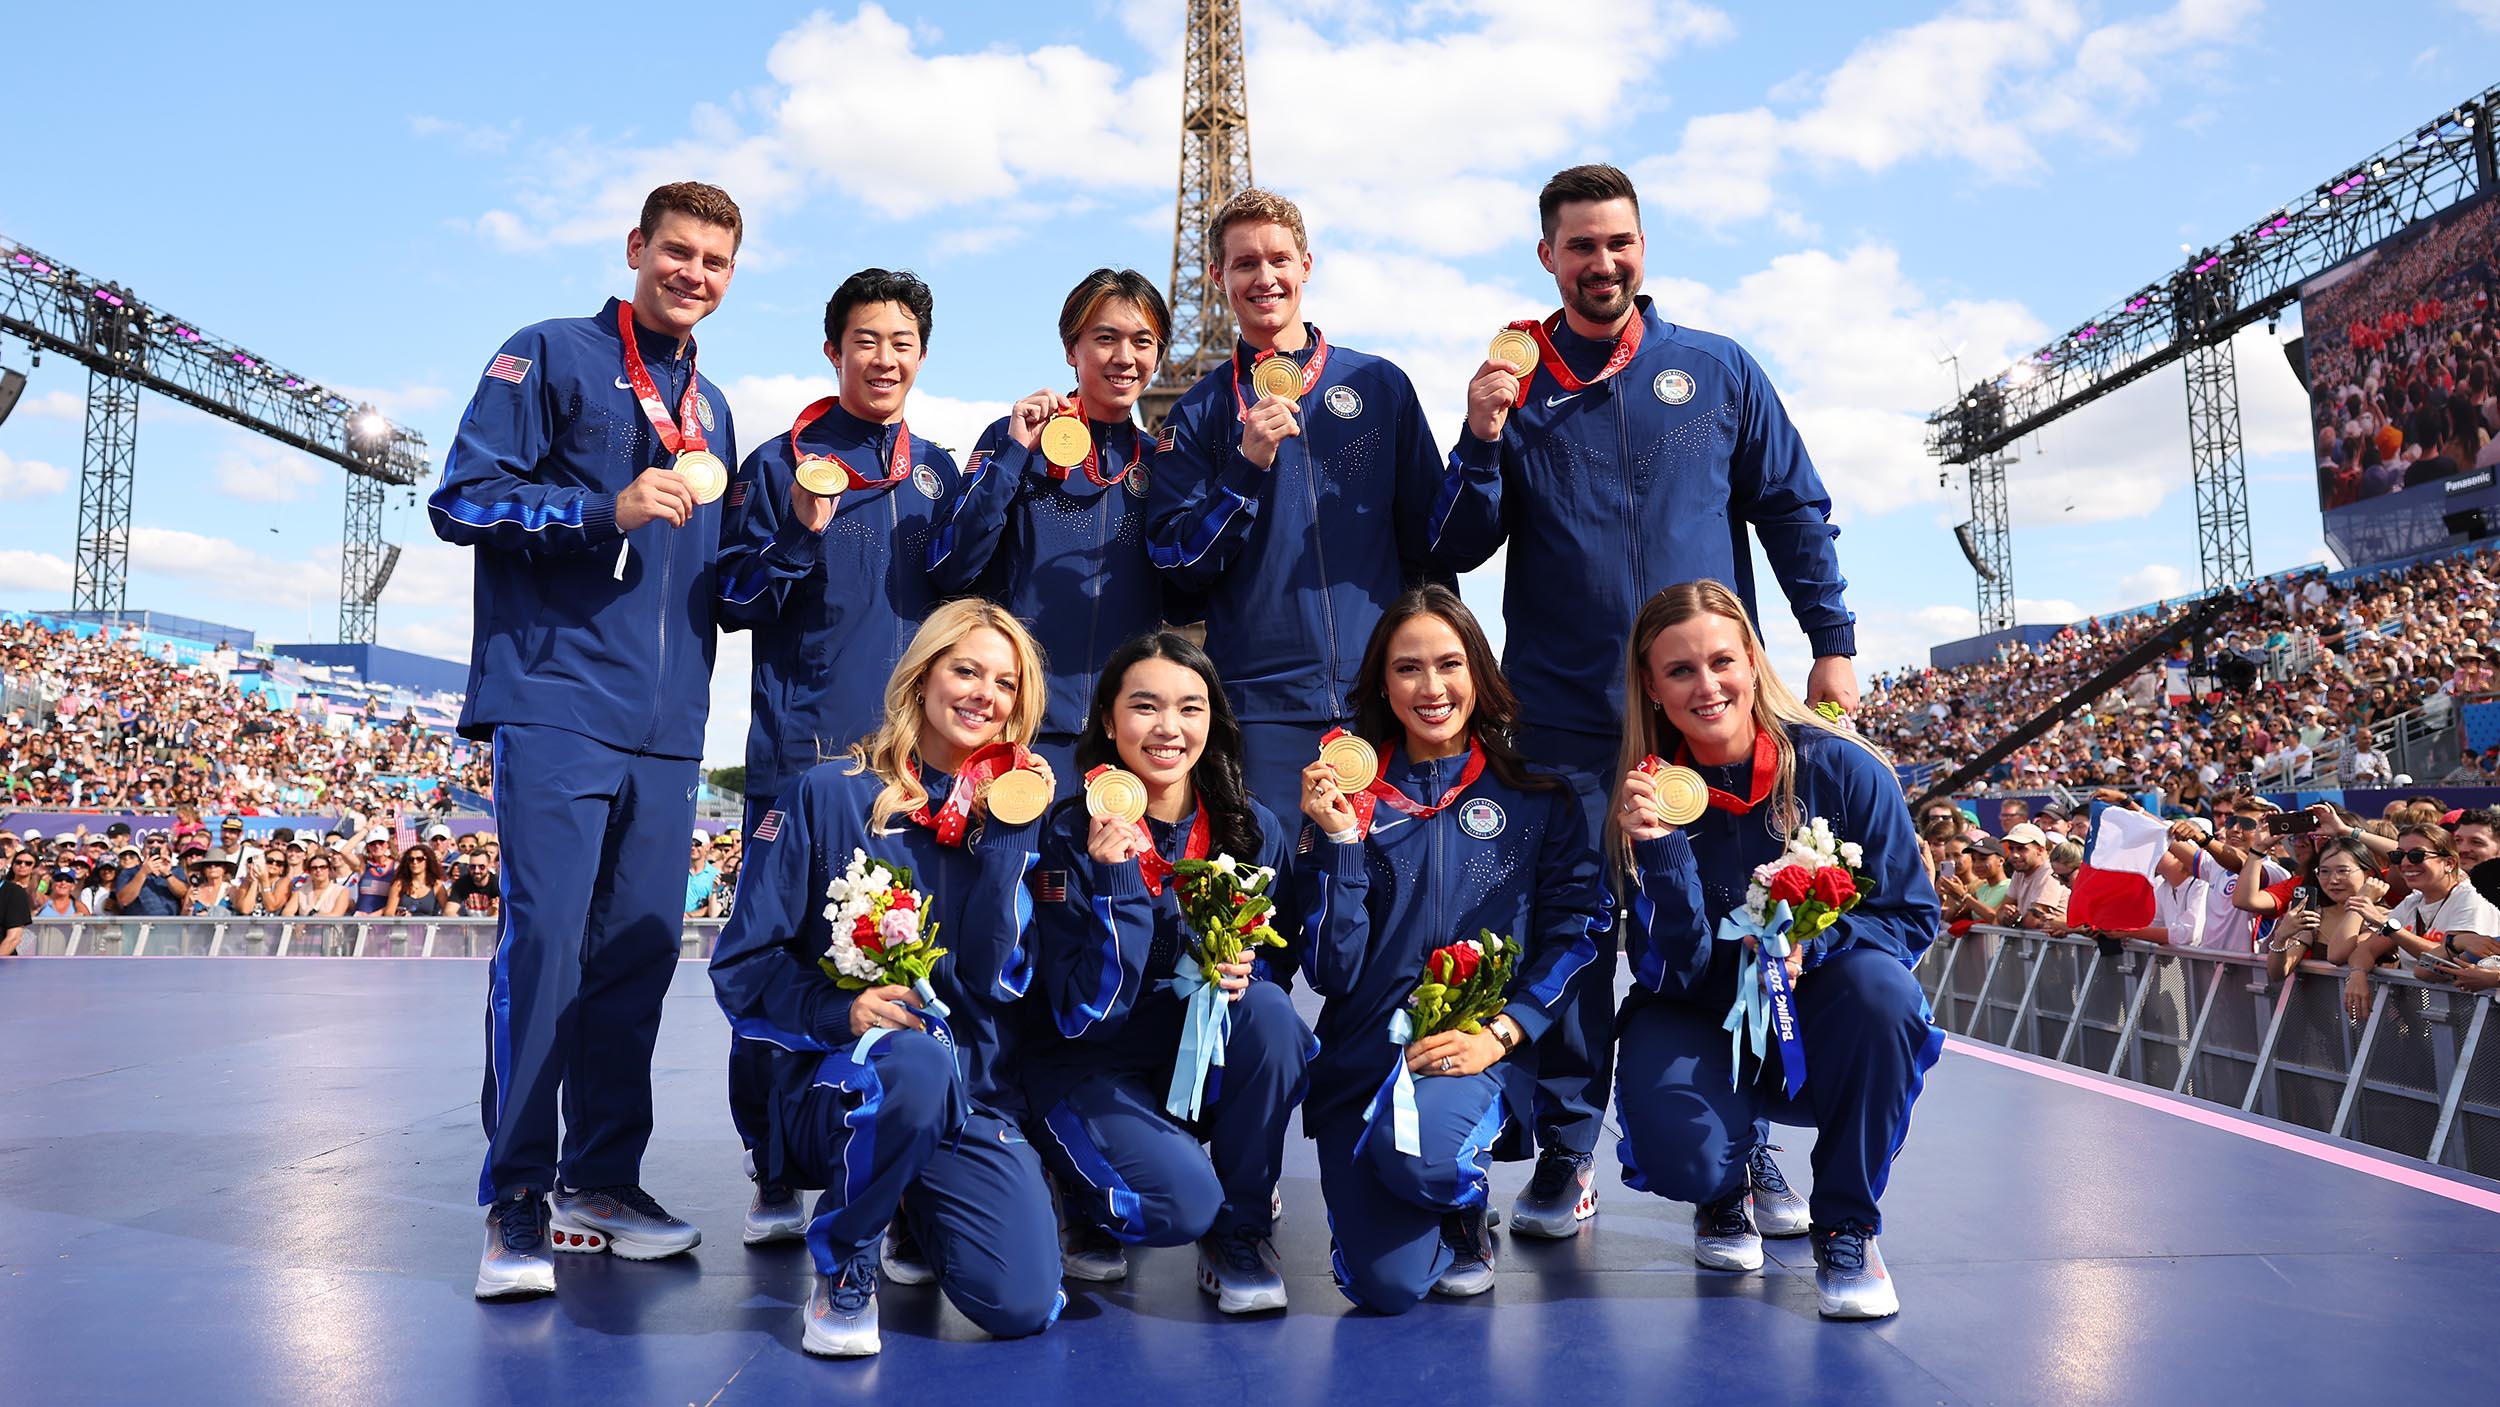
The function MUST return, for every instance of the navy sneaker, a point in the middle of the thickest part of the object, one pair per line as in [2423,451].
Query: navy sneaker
[1850,1281]
[1471,1248]
[1724,1237]
[1559,1196]
[1240,1269]
[1777,1209]
[516,1260]
[775,1214]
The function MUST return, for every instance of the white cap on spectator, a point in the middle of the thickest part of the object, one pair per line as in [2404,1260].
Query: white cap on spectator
[702,836]
[31,834]
[2026,834]
[2202,824]
[438,831]
[381,833]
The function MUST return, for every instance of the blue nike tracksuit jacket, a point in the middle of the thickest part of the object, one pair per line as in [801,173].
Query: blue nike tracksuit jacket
[1299,559]
[1066,556]
[826,642]
[1611,493]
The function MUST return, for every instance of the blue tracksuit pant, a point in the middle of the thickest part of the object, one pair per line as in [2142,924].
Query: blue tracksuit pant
[1140,1173]
[1868,1046]
[1273,756]
[593,909]
[874,1132]
[750,1069]
[1385,1208]
[1575,1058]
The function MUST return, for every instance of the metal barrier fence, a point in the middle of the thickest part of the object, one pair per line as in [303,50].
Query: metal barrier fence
[2416,1077]
[292,937]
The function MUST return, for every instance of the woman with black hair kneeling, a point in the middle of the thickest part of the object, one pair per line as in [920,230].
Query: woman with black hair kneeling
[1454,836]
[1109,940]
[1703,695]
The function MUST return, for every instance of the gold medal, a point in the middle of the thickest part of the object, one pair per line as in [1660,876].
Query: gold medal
[1277,376]
[1018,797]
[822,476]
[1353,760]
[1066,440]
[1516,347]
[1682,794]
[704,473]
[1116,793]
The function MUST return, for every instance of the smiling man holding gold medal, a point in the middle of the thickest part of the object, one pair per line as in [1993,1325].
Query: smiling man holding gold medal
[1616,454]
[586,475]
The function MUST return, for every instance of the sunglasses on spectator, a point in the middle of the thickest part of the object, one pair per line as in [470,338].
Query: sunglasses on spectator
[2248,823]
[2417,856]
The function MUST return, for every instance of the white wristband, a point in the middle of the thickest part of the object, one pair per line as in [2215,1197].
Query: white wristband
[1348,836]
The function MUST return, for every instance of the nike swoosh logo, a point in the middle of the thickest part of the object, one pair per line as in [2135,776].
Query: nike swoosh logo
[620,384]
[1553,401]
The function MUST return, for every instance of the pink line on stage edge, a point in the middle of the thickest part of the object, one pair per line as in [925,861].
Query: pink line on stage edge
[2325,1150]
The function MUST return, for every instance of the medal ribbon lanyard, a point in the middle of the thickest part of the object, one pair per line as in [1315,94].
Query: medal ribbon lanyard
[1151,866]
[682,434]
[1626,347]
[954,815]
[1074,410]
[1765,771]
[1310,373]
[1383,792]
[897,465]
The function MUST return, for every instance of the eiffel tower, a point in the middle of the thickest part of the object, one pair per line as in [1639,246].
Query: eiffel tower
[1215,164]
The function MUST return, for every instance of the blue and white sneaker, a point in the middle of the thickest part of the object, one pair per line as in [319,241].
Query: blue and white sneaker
[1087,1252]
[900,1255]
[620,1219]
[1471,1245]
[1559,1196]
[1777,1209]
[775,1214]
[1239,1267]
[1724,1237]
[516,1260]
[1850,1281]
[842,1311]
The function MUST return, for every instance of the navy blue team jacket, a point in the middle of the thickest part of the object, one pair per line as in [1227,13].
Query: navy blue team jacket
[1065,556]
[564,638]
[765,974]
[1106,949]
[1517,862]
[826,642]
[1610,494]
[1299,559]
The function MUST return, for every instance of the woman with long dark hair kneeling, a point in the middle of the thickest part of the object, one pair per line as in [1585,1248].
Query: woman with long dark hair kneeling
[1701,694]
[1453,837]
[1121,1106]
[889,1095]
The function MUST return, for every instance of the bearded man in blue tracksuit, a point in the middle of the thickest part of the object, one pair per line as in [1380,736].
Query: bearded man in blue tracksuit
[1633,457]
[1301,515]
[580,474]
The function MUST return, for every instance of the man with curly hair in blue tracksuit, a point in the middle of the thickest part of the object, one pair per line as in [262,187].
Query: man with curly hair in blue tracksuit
[1633,456]
[586,474]
[1299,509]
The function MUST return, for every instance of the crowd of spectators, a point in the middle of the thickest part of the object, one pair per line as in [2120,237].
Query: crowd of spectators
[2301,668]
[98,724]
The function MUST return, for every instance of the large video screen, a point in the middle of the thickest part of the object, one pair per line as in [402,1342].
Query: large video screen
[2404,363]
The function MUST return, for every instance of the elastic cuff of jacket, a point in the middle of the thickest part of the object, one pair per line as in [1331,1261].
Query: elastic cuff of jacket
[833,1020]
[1534,1021]
[1124,880]
[1342,861]
[599,517]
[1660,854]
[1836,640]
[1473,453]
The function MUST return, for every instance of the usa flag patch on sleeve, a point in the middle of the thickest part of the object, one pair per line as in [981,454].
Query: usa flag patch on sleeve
[1050,886]
[507,367]
[769,828]
[1163,439]
[973,465]
[737,493]
[1310,837]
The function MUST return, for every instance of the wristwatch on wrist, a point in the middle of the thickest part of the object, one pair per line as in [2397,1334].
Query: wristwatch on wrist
[2387,925]
[1505,1031]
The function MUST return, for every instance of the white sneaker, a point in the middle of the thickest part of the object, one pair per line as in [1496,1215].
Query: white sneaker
[1240,1269]
[900,1257]
[775,1214]
[1724,1237]
[842,1312]
[515,1261]
[620,1219]
[1471,1272]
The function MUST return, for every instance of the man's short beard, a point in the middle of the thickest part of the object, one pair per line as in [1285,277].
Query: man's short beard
[1607,311]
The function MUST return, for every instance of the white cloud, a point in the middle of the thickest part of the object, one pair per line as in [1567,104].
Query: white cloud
[30,478]
[255,471]
[2486,12]
[766,405]
[21,570]
[54,405]
[725,729]
[241,572]
[2158,581]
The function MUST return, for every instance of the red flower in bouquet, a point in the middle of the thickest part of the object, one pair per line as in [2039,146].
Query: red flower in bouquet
[1791,884]
[1833,886]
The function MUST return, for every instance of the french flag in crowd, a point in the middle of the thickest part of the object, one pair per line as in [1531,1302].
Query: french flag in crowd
[2174,677]
[2114,889]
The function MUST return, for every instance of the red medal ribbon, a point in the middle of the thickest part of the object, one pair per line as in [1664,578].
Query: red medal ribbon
[672,438]
[1075,410]
[953,817]
[1765,771]
[897,468]
[1151,866]
[1626,347]
[1310,373]
[1383,792]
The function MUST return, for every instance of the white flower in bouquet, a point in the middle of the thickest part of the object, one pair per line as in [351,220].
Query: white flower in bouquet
[1227,866]
[1852,854]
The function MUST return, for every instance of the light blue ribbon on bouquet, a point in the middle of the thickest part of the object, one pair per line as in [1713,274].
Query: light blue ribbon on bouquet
[1765,1008]
[1405,1125]
[929,998]
[1206,1024]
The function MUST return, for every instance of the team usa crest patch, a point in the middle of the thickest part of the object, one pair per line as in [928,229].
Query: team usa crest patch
[703,411]
[1135,480]
[1674,387]
[1481,818]
[1344,402]
[925,479]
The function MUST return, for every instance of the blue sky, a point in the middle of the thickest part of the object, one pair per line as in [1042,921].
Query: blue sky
[376,198]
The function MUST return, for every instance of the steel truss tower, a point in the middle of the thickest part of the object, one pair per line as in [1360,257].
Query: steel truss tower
[1992,542]
[1215,165]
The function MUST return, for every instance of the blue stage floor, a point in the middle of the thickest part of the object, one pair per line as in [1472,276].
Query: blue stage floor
[252,1180]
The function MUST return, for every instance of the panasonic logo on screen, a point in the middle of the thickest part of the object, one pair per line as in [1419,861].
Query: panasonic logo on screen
[2480,478]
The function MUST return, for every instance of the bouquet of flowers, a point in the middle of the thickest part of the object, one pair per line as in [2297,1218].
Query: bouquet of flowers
[880,935]
[1791,900]
[1462,988]
[1225,912]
